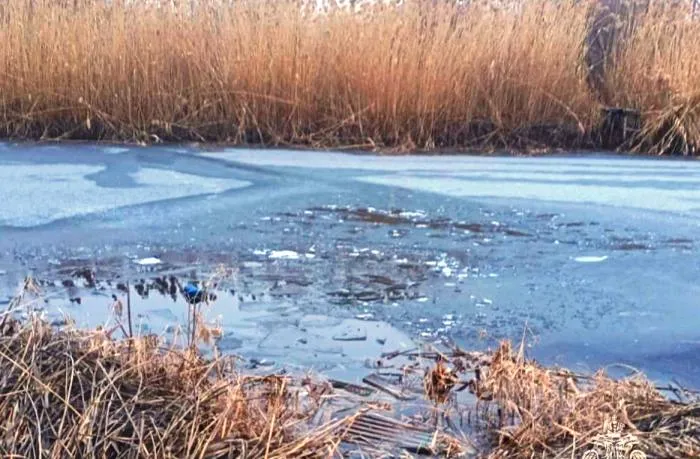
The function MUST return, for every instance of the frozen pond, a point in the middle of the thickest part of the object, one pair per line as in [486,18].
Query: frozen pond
[338,257]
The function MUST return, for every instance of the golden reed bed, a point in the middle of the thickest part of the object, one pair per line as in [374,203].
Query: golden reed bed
[419,76]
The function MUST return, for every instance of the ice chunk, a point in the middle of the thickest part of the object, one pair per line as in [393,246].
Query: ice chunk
[149,261]
[283,255]
[591,259]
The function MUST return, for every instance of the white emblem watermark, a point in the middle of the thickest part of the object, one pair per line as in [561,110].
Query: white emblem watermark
[614,444]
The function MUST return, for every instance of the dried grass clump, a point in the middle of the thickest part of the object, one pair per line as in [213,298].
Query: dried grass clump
[438,382]
[560,417]
[80,394]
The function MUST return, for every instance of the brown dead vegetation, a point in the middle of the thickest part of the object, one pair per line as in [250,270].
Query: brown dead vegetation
[420,76]
[81,394]
[66,392]
[559,414]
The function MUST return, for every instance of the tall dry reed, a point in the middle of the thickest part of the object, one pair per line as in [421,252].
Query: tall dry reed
[423,74]
[658,73]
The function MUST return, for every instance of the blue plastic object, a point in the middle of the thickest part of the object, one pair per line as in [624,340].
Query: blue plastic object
[193,293]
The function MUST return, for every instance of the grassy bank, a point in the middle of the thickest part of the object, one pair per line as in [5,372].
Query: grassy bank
[69,392]
[74,393]
[424,75]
